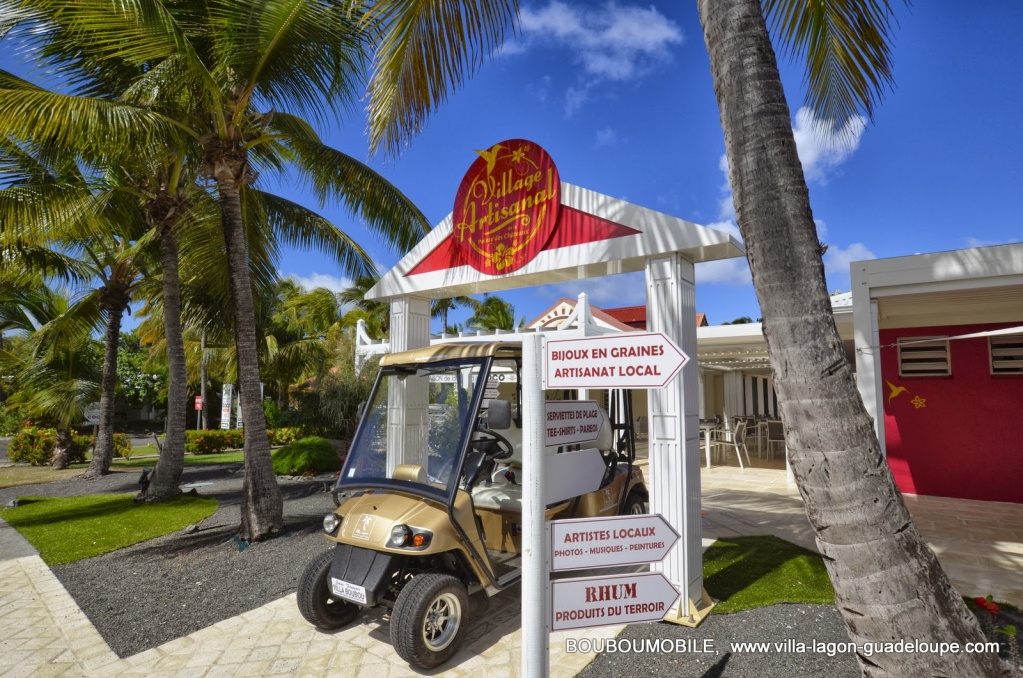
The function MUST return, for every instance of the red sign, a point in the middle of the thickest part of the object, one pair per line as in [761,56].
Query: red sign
[198,402]
[506,207]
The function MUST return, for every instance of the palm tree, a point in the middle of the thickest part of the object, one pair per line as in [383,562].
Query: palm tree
[377,314]
[55,365]
[888,583]
[493,313]
[91,221]
[440,307]
[305,56]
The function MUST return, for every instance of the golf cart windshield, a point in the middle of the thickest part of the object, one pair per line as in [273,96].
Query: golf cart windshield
[418,447]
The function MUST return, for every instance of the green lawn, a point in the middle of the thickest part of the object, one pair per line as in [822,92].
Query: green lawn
[749,572]
[13,476]
[233,457]
[64,530]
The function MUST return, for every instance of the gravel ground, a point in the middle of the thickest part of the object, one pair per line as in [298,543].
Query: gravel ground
[145,595]
[148,594]
[715,656]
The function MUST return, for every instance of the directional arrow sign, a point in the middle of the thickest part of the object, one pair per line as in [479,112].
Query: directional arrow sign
[605,542]
[572,474]
[627,360]
[605,601]
[568,422]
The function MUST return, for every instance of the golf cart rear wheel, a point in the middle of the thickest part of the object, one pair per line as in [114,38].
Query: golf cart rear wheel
[314,599]
[636,504]
[428,619]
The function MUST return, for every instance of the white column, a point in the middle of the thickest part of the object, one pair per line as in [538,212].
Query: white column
[867,339]
[408,415]
[735,404]
[536,636]
[674,429]
[703,397]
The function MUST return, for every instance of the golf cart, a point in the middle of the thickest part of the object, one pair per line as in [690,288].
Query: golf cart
[434,505]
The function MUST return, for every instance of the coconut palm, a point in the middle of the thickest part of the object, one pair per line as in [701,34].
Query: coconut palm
[94,222]
[244,66]
[377,314]
[440,308]
[888,583]
[55,364]
[493,313]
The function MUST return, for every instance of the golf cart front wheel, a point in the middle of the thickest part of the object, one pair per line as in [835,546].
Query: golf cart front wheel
[315,603]
[428,619]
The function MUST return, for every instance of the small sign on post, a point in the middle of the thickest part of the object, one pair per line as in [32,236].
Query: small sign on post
[198,402]
[568,422]
[628,360]
[605,601]
[584,543]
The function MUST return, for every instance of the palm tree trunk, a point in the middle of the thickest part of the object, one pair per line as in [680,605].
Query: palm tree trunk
[203,379]
[164,483]
[61,455]
[888,583]
[114,299]
[262,505]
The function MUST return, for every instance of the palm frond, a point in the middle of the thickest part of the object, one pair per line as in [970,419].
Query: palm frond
[303,55]
[383,208]
[425,51]
[300,227]
[846,45]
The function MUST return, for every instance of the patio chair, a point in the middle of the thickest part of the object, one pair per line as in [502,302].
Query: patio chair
[735,439]
[775,436]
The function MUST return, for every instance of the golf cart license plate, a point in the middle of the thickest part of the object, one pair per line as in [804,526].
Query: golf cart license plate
[352,592]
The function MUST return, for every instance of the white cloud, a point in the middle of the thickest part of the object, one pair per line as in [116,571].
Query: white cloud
[607,137]
[611,42]
[837,260]
[314,280]
[822,145]
[733,271]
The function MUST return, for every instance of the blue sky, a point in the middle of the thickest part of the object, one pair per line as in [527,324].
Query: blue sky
[620,95]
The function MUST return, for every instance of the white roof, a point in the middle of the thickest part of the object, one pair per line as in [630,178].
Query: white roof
[658,233]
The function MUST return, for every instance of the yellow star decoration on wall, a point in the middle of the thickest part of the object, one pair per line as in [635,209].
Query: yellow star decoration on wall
[919,402]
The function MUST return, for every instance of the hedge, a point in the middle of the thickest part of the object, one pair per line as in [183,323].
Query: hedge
[35,445]
[218,440]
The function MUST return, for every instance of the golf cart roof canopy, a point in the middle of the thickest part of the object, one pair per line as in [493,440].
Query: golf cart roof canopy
[453,351]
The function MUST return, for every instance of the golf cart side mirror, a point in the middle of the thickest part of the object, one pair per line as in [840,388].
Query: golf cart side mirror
[499,415]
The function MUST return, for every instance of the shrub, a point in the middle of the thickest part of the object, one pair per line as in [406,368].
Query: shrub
[283,436]
[308,455]
[213,441]
[11,420]
[122,446]
[35,445]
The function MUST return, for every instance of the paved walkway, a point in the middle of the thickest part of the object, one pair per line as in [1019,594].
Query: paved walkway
[44,633]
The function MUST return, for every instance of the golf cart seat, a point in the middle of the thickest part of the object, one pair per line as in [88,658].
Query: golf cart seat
[503,492]
[411,472]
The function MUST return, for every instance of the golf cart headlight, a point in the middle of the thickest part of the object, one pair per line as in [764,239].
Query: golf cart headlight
[331,521]
[400,535]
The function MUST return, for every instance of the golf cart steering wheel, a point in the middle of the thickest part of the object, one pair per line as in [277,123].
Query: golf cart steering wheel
[502,450]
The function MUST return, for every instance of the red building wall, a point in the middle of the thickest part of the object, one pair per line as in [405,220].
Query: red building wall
[954,436]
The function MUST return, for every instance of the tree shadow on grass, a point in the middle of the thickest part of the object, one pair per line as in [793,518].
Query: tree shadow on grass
[748,572]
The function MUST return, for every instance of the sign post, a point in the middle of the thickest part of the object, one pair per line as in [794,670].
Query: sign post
[198,408]
[225,406]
